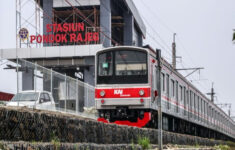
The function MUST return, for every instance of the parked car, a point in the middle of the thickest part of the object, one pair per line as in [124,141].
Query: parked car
[33,99]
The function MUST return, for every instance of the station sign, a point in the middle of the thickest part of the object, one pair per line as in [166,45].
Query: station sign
[67,32]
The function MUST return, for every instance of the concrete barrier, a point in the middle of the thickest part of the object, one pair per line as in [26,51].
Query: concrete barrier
[43,126]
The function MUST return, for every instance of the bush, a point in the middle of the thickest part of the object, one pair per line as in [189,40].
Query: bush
[222,147]
[144,142]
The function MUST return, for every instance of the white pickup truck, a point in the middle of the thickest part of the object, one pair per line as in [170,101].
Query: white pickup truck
[33,99]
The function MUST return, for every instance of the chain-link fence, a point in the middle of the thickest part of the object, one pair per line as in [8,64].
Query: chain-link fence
[43,88]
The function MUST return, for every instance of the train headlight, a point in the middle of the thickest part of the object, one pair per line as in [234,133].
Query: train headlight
[141,92]
[102,93]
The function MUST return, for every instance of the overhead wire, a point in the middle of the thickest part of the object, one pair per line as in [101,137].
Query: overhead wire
[170,30]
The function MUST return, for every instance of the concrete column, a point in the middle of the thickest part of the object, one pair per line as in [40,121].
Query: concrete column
[89,77]
[48,17]
[128,28]
[28,80]
[140,40]
[89,72]
[105,22]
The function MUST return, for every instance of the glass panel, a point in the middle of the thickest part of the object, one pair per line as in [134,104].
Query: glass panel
[105,64]
[25,97]
[130,63]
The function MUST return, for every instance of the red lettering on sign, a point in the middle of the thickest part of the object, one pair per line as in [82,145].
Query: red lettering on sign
[45,39]
[96,36]
[48,26]
[79,37]
[51,38]
[80,26]
[63,38]
[72,37]
[65,26]
[32,38]
[39,39]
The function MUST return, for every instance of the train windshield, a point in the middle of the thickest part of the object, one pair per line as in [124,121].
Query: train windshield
[122,67]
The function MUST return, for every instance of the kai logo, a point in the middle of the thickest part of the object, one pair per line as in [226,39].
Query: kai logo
[118,92]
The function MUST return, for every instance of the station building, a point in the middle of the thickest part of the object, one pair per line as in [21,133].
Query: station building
[117,22]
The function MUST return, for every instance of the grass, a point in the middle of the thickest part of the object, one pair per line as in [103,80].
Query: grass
[144,142]
[55,141]
[222,147]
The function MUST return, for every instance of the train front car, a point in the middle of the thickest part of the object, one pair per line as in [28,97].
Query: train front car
[123,89]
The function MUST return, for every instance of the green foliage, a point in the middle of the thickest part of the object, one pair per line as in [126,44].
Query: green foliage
[231,144]
[197,146]
[55,141]
[76,146]
[133,147]
[2,147]
[222,147]
[144,142]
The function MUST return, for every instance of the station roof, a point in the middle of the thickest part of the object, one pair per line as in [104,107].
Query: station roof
[129,3]
[51,52]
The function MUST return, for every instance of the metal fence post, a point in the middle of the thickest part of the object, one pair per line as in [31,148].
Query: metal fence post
[51,82]
[35,81]
[17,76]
[87,101]
[65,101]
[77,103]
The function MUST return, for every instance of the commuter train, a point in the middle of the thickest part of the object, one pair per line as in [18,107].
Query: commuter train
[126,93]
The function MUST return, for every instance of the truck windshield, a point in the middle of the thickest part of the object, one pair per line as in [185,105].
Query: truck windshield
[33,96]
[122,67]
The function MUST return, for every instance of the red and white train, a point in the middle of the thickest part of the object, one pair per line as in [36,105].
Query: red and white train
[126,93]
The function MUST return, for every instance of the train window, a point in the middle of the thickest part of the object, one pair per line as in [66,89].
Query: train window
[185,99]
[105,62]
[122,67]
[168,89]
[177,97]
[194,100]
[163,81]
[130,63]
[205,109]
[181,93]
[197,103]
[201,106]
[172,88]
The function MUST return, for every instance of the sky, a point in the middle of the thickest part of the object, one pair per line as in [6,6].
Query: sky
[204,31]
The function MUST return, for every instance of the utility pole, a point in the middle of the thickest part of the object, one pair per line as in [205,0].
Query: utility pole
[174,52]
[212,94]
[159,68]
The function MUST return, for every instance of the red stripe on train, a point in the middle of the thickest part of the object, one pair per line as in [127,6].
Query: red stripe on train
[122,92]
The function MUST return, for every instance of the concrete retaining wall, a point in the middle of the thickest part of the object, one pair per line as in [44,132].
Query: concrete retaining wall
[66,146]
[42,126]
